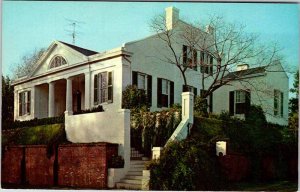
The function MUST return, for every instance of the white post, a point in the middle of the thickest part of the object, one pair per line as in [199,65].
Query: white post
[16,105]
[69,107]
[51,100]
[87,87]
[188,106]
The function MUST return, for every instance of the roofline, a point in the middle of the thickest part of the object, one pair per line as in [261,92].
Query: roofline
[119,54]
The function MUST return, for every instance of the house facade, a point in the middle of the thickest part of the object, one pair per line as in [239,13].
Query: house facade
[69,78]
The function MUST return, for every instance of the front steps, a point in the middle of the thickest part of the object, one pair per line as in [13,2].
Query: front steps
[133,178]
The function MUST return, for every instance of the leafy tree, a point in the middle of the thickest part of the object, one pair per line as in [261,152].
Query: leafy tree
[293,103]
[7,100]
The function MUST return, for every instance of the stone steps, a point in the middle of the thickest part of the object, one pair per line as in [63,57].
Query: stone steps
[133,179]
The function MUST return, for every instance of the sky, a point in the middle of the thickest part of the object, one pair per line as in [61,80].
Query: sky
[27,26]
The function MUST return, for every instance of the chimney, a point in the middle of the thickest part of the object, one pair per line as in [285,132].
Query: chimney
[172,16]
[241,67]
[209,29]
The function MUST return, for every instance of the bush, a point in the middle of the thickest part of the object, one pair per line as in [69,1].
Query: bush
[150,129]
[99,108]
[33,122]
[186,165]
[201,106]
[116,162]
[134,98]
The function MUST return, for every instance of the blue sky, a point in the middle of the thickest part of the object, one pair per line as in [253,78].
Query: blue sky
[31,25]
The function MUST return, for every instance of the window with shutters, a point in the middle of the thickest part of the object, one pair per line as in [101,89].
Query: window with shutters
[57,61]
[165,92]
[143,82]
[103,88]
[189,57]
[24,103]
[278,103]
[239,102]
[206,63]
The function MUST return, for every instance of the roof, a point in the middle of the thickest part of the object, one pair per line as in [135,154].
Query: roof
[245,73]
[84,51]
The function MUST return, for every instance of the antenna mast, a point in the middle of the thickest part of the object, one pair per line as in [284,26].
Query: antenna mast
[74,32]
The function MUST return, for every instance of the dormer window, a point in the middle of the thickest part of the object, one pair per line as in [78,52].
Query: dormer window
[57,61]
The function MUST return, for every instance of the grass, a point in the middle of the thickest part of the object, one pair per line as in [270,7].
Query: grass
[273,186]
[42,134]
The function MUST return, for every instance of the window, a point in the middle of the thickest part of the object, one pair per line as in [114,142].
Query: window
[57,61]
[240,97]
[206,63]
[24,103]
[190,57]
[165,92]
[278,103]
[165,85]
[103,88]
[239,102]
[143,82]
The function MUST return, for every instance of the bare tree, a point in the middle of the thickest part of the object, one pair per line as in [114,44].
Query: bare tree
[27,63]
[221,45]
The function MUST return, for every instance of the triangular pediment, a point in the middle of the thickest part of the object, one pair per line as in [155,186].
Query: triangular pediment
[71,54]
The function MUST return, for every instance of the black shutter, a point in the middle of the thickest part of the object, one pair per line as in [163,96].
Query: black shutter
[171,93]
[231,102]
[195,60]
[211,102]
[195,91]
[184,51]
[149,89]
[211,65]
[247,103]
[281,104]
[159,96]
[134,78]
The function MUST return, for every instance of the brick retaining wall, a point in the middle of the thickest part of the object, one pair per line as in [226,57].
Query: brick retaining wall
[70,165]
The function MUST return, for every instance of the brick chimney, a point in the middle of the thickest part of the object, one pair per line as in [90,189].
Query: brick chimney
[172,16]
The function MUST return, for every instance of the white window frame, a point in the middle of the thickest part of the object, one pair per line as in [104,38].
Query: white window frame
[141,81]
[24,103]
[240,96]
[100,99]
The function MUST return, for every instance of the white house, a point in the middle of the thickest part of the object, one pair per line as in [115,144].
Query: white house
[68,78]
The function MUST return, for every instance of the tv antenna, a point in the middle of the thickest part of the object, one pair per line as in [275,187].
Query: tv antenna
[74,31]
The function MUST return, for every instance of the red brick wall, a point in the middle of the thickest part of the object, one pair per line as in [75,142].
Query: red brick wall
[39,168]
[11,165]
[79,165]
[235,167]
[83,165]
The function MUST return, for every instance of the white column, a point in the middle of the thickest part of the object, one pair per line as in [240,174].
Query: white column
[188,106]
[51,100]
[16,105]
[87,90]
[69,102]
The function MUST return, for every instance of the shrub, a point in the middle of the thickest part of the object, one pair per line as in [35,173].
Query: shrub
[150,129]
[186,165]
[99,108]
[201,106]
[134,98]
[116,162]
[33,122]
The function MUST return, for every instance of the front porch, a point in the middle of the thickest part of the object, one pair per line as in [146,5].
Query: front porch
[57,97]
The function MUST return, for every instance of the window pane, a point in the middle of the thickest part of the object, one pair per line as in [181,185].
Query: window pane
[164,87]
[110,93]
[141,81]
